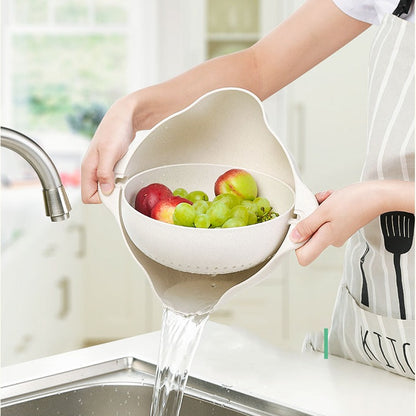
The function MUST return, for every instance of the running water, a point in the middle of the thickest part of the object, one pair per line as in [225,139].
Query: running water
[179,339]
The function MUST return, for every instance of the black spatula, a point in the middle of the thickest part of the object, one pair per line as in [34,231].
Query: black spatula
[398,229]
[364,287]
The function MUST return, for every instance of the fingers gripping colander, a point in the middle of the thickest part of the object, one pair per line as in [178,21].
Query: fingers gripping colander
[224,129]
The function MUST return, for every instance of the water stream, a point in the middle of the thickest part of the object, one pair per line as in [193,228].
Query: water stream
[179,339]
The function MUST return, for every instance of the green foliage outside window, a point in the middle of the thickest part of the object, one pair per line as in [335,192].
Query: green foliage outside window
[66,82]
[85,119]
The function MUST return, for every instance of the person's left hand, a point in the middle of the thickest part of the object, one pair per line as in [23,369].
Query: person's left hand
[339,215]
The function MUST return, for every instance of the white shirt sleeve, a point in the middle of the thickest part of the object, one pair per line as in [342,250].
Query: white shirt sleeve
[370,11]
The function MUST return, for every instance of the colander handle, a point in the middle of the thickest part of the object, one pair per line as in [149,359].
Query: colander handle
[112,201]
[305,204]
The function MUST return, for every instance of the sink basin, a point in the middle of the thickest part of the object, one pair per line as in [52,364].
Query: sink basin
[123,387]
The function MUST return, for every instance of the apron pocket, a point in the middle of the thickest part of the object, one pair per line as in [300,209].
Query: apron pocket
[380,341]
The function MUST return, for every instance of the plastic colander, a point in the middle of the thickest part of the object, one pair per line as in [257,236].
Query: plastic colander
[223,129]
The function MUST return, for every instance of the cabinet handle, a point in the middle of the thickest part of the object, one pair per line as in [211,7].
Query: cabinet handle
[81,239]
[64,286]
[23,344]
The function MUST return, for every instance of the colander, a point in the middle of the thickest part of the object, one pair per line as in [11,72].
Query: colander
[205,251]
[223,129]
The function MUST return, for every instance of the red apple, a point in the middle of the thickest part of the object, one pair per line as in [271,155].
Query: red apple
[149,196]
[164,209]
[238,182]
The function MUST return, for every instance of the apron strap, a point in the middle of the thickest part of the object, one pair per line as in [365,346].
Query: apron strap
[403,7]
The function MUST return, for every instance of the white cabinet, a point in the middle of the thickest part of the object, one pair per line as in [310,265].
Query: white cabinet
[262,309]
[42,289]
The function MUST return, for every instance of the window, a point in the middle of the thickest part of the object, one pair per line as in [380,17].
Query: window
[64,62]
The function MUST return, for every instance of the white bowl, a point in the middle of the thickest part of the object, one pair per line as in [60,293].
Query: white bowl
[205,251]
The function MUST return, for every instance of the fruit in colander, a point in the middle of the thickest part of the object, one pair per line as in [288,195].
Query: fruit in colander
[236,203]
[218,213]
[149,196]
[197,196]
[164,209]
[238,182]
[184,214]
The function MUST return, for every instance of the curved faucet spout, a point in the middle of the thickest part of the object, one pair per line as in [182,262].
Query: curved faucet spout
[57,205]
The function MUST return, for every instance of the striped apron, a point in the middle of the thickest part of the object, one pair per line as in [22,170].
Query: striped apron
[373,319]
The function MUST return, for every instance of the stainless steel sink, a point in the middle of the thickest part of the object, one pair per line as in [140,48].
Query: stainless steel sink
[123,387]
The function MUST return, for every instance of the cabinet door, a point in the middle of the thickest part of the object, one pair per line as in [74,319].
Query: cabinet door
[263,310]
[29,298]
[42,291]
[69,281]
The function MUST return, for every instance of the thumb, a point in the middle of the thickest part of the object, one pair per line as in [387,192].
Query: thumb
[105,172]
[322,196]
[305,228]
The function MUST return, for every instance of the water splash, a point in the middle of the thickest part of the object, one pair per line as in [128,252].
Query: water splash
[179,339]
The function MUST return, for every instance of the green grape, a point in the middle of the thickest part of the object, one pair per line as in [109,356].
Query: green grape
[263,206]
[180,192]
[202,221]
[201,207]
[230,200]
[197,196]
[218,213]
[184,214]
[240,211]
[250,205]
[234,222]
[252,218]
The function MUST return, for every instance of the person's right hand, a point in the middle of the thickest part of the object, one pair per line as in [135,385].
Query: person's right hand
[108,146]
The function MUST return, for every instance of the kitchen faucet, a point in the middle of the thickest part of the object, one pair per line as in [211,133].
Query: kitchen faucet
[57,205]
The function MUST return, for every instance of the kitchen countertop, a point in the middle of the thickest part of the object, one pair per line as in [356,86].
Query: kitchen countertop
[239,361]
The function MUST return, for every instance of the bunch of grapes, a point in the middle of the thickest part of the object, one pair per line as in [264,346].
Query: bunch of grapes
[224,211]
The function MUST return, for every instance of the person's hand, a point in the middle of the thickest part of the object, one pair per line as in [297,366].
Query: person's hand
[108,146]
[339,215]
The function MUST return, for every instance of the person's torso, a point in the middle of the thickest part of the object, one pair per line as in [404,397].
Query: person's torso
[373,320]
